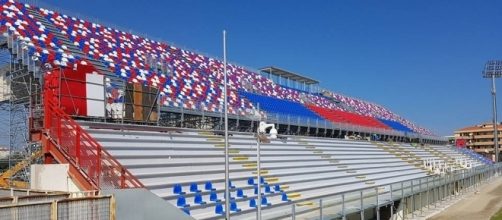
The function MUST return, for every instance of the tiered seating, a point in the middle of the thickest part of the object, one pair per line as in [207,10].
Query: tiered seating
[283,107]
[453,153]
[38,41]
[185,79]
[396,125]
[188,79]
[186,168]
[194,81]
[376,111]
[440,153]
[338,116]
[475,155]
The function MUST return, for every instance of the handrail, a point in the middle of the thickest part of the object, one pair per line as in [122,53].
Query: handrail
[100,169]
[449,179]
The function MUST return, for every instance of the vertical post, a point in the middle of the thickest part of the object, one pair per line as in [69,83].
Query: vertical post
[428,191]
[405,207]
[412,201]
[104,99]
[343,206]
[227,178]
[320,209]
[258,174]
[362,204]
[402,190]
[77,146]
[113,208]
[122,178]
[391,203]
[54,210]
[495,126]
[123,112]
[420,194]
[59,124]
[98,169]
[377,205]
[435,194]
[293,212]
[390,189]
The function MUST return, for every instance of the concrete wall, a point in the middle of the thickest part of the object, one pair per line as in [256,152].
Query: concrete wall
[52,177]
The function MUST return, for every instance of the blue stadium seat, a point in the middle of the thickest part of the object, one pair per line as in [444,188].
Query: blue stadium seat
[181,202]
[177,189]
[250,181]
[194,187]
[218,209]
[264,201]
[284,197]
[267,188]
[280,106]
[213,196]
[277,188]
[252,203]
[396,125]
[240,193]
[198,199]
[208,186]
[233,206]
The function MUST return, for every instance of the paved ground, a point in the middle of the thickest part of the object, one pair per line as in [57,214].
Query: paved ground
[476,205]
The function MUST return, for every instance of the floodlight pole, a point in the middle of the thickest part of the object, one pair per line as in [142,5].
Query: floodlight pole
[493,69]
[495,123]
[225,103]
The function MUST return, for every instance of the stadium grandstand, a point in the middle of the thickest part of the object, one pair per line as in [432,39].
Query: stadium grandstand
[123,112]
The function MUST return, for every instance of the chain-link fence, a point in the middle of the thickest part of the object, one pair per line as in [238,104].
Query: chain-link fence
[58,207]
[39,211]
[85,208]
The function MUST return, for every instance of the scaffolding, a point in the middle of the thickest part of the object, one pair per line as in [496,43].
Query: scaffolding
[20,95]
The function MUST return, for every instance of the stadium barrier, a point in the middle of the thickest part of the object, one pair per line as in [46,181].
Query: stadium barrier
[289,120]
[100,207]
[411,196]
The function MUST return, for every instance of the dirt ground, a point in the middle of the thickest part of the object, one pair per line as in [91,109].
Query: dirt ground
[478,206]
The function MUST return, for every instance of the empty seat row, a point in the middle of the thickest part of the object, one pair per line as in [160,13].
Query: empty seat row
[186,168]
[338,116]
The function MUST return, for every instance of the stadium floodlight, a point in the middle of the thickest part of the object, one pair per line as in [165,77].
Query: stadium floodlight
[493,69]
[261,137]
[225,103]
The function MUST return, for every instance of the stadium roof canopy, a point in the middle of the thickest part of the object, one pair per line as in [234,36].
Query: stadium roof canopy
[288,74]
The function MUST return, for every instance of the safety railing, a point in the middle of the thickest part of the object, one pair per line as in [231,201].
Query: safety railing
[414,196]
[101,170]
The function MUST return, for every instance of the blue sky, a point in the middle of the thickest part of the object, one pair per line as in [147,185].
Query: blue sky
[420,58]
